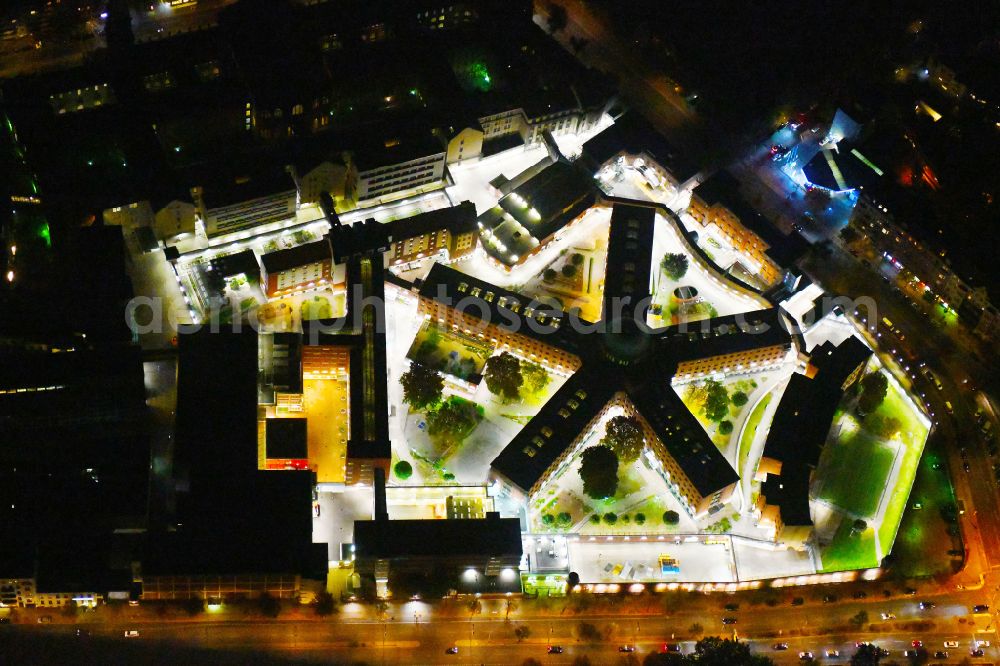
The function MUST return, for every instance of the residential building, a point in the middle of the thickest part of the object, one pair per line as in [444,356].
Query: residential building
[765,252]
[546,202]
[632,142]
[797,436]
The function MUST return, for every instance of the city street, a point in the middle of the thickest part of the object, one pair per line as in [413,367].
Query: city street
[416,632]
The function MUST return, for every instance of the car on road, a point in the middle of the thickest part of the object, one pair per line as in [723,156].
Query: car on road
[452,650]
[131,633]
[966,467]
[980,608]
[951,645]
[911,653]
[941,654]
[888,616]
[833,654]
[626,648]
[729,620]
[927,605]
[917,643]
[671,647]
[780,646]
[978,652]
[555,649]
[806,656]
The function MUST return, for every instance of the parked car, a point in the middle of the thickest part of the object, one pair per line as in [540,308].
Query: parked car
[980,608]
[671,647]
[941,654]
[626,648]
[951,644]
[833,654]
[888,616]
[732,607]
[131,633]
[555,649]
[729,620]
[806,656]
[860,595]
[45,619]
[780,646]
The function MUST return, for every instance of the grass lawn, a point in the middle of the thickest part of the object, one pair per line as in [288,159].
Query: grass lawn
[449,352]
[856,468]
[922,543]
[751,429]
[913,435]
[847,552]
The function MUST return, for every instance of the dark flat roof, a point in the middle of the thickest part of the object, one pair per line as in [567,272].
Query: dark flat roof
[388,539]
[244,261]
[445,285]
[684,438]
[286,438]
[630,253]
[632,134]
[515,463]
[231,517]
[802,423]
[726,335]
[456,219]
[300,255]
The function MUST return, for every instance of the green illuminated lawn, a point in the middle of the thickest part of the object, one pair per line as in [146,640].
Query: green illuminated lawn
[913,435]
[746,441]
[855,472]
[847,551]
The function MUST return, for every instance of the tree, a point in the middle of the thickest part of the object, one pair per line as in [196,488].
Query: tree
[874,388]
[640,518]
[403,470]
[558,18]
[534,376]
[549,274]
[576,258]
[422,386]
[725,427]
[858,526]
[193,606]
[268,606]
[522,631]
[867,655]
[325,604]
[715,651]
[860,618]
[453,420]
[623,435]
[611,518]
[589,632]
[716,405]
[595,519]
[503,375]
[671,517]
[568,270]
[739,398]
[573,580]
[564,519]
[885,427]
[548,519]
[675,265]
[599,472]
